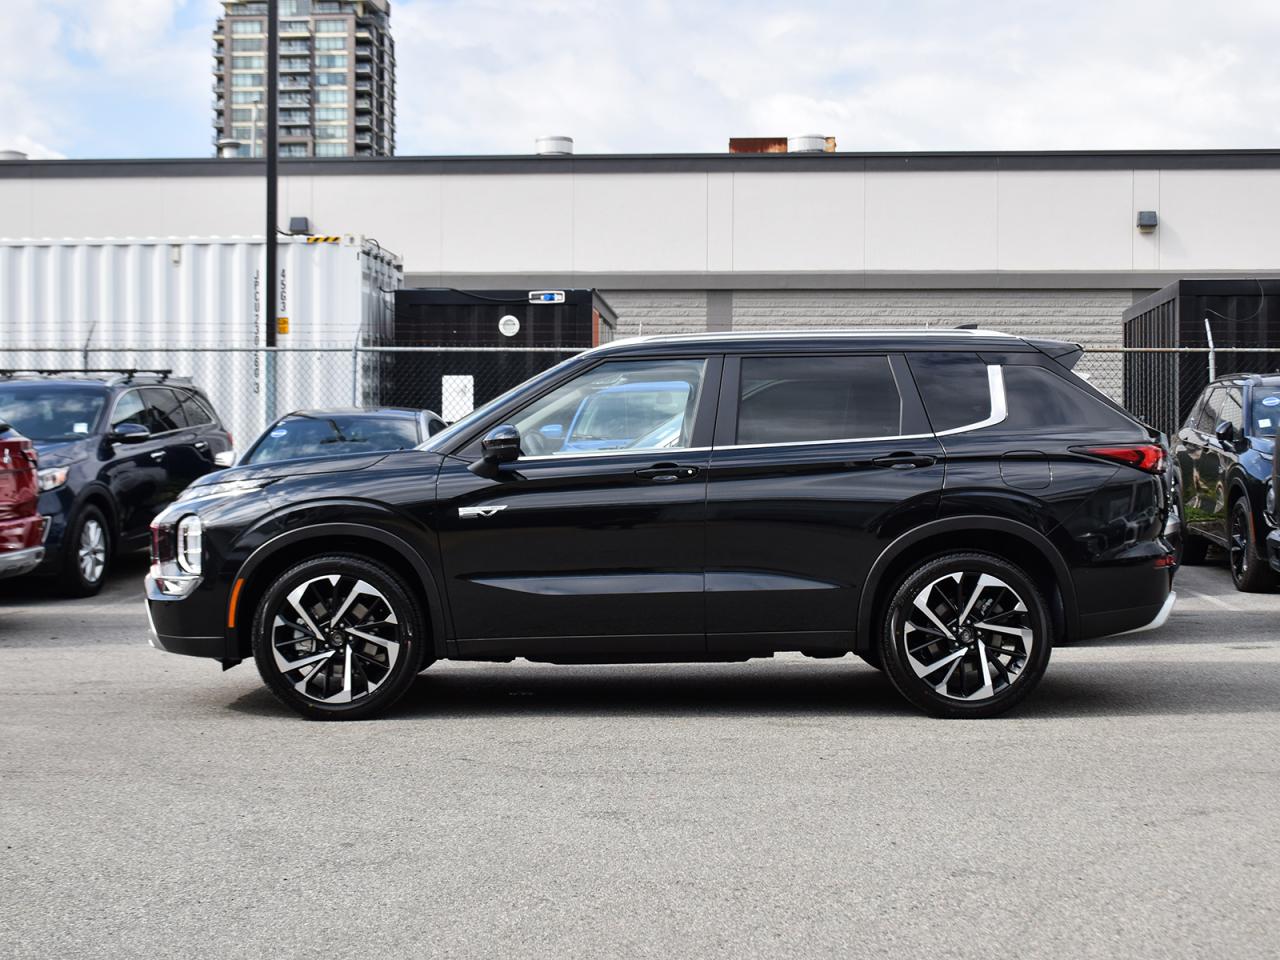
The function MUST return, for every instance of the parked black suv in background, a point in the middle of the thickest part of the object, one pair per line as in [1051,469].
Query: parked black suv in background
[1224,454]
[116,447]
[946,504]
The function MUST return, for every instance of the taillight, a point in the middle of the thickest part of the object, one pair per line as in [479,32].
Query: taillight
[1147,457]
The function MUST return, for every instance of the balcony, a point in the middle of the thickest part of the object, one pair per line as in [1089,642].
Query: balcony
[295,83]
[219,87]
[364,138]
[295,99]
[363,50]
[295,46]
[364,70]
[295,65]
[364,103]
[364,86]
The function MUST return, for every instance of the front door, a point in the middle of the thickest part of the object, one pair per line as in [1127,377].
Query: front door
[819,460]
[591,544]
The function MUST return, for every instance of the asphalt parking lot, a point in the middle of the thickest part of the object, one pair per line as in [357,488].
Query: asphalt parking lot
[155,807]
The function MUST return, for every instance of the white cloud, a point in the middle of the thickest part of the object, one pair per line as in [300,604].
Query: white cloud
[121,77]
[486,76]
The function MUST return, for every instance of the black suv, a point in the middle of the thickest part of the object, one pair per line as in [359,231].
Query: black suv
[116,447]
[946,504]
[1224,462]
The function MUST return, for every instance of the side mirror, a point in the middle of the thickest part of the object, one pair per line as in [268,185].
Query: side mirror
[130,433]
[500,445]
[1226,434]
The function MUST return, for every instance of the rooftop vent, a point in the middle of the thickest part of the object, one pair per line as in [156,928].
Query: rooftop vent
[554,146]
[811,143]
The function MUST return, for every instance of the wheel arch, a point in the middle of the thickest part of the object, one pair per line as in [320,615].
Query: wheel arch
[1010,539]
[288,548]
[99,496]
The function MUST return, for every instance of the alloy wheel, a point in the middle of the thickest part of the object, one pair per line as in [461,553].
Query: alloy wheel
[91,552]
[1238,547]
[968,635]
[334,638]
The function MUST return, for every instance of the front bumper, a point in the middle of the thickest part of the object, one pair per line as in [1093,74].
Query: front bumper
[1273,550]
[169,619]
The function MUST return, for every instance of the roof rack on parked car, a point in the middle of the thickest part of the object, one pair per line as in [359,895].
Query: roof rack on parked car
[117,374]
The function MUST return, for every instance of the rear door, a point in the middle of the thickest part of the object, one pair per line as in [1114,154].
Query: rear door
[818,461]
[183,462]
[1201,470]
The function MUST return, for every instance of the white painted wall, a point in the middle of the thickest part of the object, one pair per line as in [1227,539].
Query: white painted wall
[693,222]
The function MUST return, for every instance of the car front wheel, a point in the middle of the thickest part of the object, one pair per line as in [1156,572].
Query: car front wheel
[1249,569]
[338,638]
[88,554]
[966,635]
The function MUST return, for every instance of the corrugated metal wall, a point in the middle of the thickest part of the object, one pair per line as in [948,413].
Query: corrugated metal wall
[189,304]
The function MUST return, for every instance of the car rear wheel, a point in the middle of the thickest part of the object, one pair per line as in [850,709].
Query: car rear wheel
[88,554]
[1249,569]
[966,635]
[338,638]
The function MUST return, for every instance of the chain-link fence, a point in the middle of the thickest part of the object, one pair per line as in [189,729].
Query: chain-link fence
[251,386]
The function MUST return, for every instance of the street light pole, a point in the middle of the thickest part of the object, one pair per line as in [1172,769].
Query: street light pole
[273,151]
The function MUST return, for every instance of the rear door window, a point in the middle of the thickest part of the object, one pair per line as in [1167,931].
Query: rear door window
[807,399]
[955,386]
[165,409]
[196,413]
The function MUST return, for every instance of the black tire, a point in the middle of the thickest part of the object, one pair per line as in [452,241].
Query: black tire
[1189,549]
[1249,568]
[78,578]
[384,609]
[1192,550]
[954,660]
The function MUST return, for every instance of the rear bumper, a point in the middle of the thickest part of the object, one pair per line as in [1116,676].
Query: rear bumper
[1130,593]
[21,545]
[14,563]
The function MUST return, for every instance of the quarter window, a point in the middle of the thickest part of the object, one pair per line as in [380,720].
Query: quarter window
[798,399]
[620,405]
[195,411]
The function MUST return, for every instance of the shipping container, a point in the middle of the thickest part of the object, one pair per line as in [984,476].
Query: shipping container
[1223,314]
[195,306]
[493,340]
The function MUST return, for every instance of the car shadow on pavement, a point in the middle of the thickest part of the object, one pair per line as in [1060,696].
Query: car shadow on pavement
[1092,690]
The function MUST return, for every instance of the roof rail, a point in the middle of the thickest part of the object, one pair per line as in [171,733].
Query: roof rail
[122,374]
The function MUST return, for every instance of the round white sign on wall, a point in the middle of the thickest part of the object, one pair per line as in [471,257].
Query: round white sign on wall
[509,326]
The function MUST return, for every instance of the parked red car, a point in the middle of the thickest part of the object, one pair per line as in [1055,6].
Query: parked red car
[21,525]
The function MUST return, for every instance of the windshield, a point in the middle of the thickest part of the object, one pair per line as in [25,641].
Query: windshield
[461,427]
[42,412]
[1266,411]
[302,435]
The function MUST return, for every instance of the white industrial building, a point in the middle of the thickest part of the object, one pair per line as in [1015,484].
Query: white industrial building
[1026,242]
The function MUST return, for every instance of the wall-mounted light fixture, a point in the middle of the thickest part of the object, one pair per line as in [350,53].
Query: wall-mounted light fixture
[1147,221]
[300,226]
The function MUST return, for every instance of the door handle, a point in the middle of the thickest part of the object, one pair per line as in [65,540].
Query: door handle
[904,461]
[157,455]
[667,473]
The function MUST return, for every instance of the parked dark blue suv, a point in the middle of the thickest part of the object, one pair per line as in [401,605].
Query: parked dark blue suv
[116,447]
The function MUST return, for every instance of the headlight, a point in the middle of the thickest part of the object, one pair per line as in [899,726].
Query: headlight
[1270,505]
[190,543]
[225,458]
[51,478]
[227,488]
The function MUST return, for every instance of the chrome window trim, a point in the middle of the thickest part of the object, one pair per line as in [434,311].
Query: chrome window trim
[999,413]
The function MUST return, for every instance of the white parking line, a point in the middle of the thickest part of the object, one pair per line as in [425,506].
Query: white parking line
[1216,601]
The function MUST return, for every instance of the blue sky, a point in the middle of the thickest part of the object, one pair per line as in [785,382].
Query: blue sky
[120,78]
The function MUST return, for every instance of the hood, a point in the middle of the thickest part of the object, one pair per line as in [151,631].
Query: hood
[59,453]
[280,469]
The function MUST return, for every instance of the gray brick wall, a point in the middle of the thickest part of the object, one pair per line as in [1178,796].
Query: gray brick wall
[658,311]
